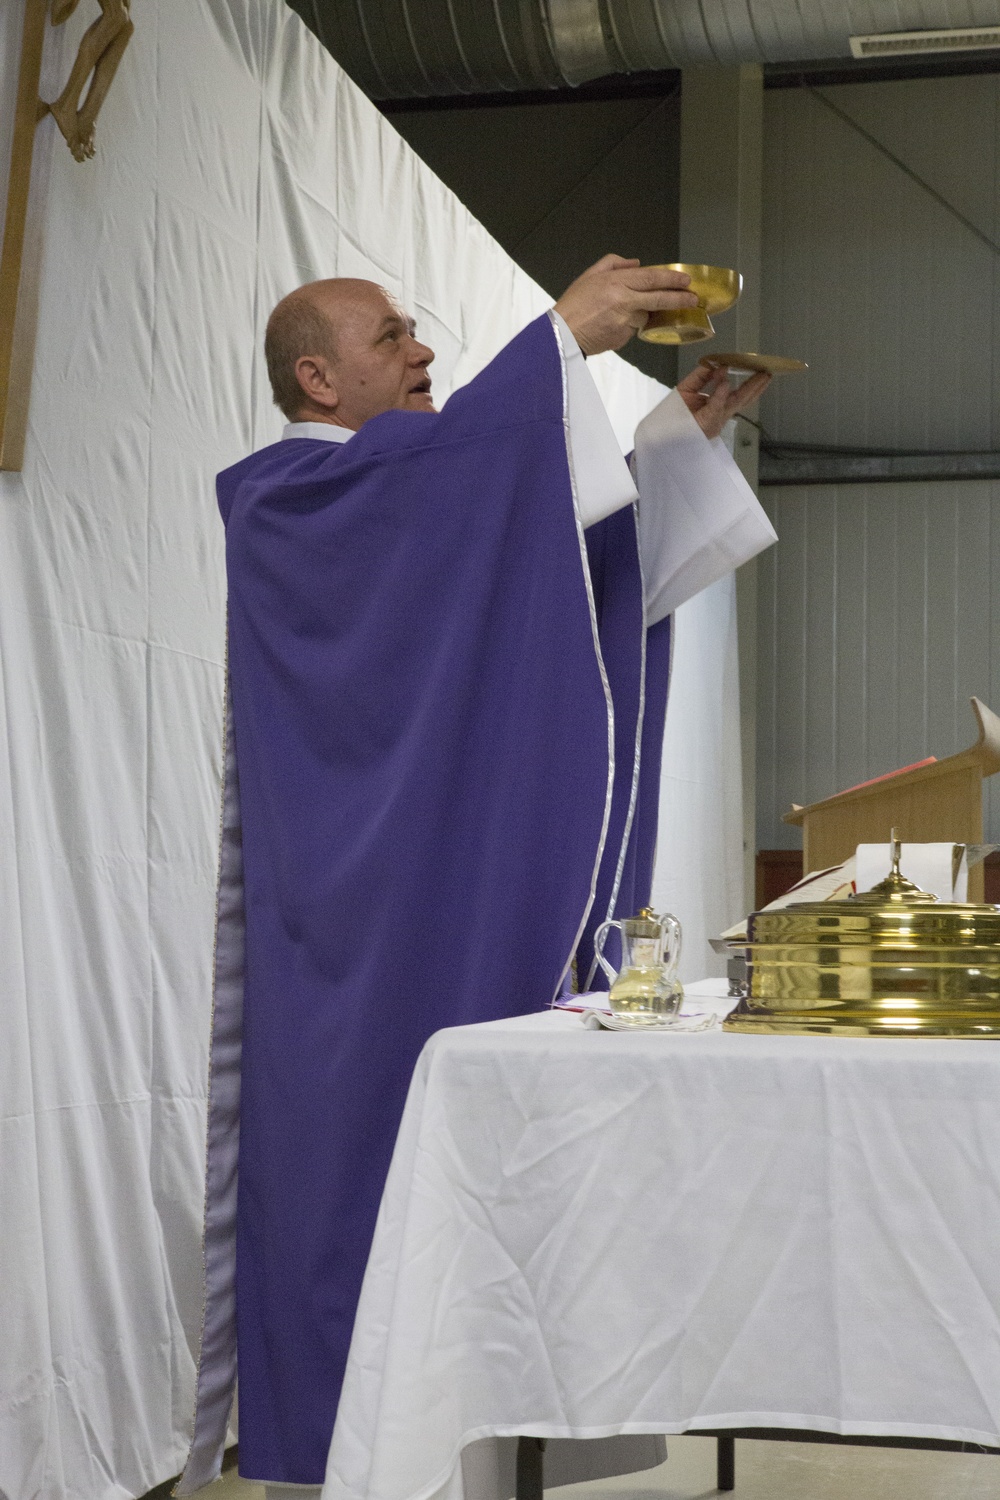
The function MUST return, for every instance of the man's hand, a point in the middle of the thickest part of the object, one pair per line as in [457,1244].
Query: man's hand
[708,395]
[613,300]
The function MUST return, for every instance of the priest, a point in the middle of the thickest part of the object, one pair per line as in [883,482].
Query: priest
[448,662]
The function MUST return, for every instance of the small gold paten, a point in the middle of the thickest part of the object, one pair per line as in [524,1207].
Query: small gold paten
[716,288]
[892,961]
[763,364]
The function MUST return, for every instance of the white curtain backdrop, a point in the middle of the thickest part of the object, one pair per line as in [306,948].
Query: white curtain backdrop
[234,161]
[699,857]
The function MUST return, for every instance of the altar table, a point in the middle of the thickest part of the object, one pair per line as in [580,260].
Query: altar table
[591,1233]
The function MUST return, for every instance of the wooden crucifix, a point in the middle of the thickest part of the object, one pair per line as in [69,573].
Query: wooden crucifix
[97,59]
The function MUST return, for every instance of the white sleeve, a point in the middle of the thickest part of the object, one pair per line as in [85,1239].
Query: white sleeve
[600,473]
[698,517]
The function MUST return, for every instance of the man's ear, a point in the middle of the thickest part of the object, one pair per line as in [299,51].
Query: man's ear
[314,376]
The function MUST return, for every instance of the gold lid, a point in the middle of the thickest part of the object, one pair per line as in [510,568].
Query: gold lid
[895,890]
[892,911]
[646,924]
[892,961]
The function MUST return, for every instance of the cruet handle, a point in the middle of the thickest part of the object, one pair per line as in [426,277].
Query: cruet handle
[672,928]
[599,937]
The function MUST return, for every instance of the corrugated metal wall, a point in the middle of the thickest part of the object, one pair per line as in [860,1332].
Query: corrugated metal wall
[877,607]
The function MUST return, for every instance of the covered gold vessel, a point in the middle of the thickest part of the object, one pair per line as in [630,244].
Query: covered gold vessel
[893,961]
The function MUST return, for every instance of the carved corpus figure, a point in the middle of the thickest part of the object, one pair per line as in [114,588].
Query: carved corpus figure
[100,53]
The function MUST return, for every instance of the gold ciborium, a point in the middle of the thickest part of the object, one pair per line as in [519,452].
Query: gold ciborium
[716,288]
[892,961]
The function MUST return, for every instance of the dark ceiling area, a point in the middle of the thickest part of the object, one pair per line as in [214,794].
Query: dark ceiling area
[559,176]
[558,188]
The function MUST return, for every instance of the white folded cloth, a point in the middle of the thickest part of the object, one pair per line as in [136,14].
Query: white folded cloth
[694,1020]
[706,1004]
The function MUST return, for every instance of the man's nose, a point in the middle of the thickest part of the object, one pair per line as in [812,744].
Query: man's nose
[420,354]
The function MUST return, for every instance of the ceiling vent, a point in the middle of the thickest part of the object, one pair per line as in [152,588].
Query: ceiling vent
[406,49]
[898,43]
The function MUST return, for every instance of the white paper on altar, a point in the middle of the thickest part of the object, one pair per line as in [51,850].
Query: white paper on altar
[234,161]
[930,866]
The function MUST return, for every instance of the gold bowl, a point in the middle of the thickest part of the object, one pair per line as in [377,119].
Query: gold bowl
[891,962]
[716,288]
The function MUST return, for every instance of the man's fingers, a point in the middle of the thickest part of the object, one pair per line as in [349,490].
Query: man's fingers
[616,296]
[718,380]
[719,399]
[711,381]
[698,377]
[659,301]
[656,279]
[721,393]
[612,263]
[751,390]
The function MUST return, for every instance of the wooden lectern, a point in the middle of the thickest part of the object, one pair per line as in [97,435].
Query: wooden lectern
[937,803]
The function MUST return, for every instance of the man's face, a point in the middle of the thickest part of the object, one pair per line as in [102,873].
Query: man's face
[380,365]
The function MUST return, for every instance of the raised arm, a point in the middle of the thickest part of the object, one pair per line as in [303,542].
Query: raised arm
[698,517]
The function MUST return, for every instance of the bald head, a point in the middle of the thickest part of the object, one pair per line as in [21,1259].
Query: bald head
[342,351]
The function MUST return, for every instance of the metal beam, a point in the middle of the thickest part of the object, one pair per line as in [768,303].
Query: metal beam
[861,468]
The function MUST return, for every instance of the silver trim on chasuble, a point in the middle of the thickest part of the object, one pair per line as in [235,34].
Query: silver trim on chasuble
[634,794]
[588,583]
[216,1377]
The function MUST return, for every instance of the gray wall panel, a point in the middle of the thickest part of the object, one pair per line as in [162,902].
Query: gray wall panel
[877,607]
[876,625]
[888,296]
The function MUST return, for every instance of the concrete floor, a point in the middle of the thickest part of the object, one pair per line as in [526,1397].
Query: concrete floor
[773,1471]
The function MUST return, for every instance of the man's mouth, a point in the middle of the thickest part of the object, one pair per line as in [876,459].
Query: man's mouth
[422,387]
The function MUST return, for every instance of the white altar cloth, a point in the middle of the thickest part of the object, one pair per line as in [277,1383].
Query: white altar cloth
[588,1233]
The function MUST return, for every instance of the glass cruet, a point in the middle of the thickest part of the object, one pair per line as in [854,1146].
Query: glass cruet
[645,991]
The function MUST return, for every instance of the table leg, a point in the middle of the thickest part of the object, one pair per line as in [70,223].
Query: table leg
[725,1463]
[529,1468]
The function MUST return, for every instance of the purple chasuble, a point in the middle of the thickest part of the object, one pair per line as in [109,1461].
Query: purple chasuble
[422,725]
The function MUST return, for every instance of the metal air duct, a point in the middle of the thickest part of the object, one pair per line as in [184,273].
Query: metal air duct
[399,49]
